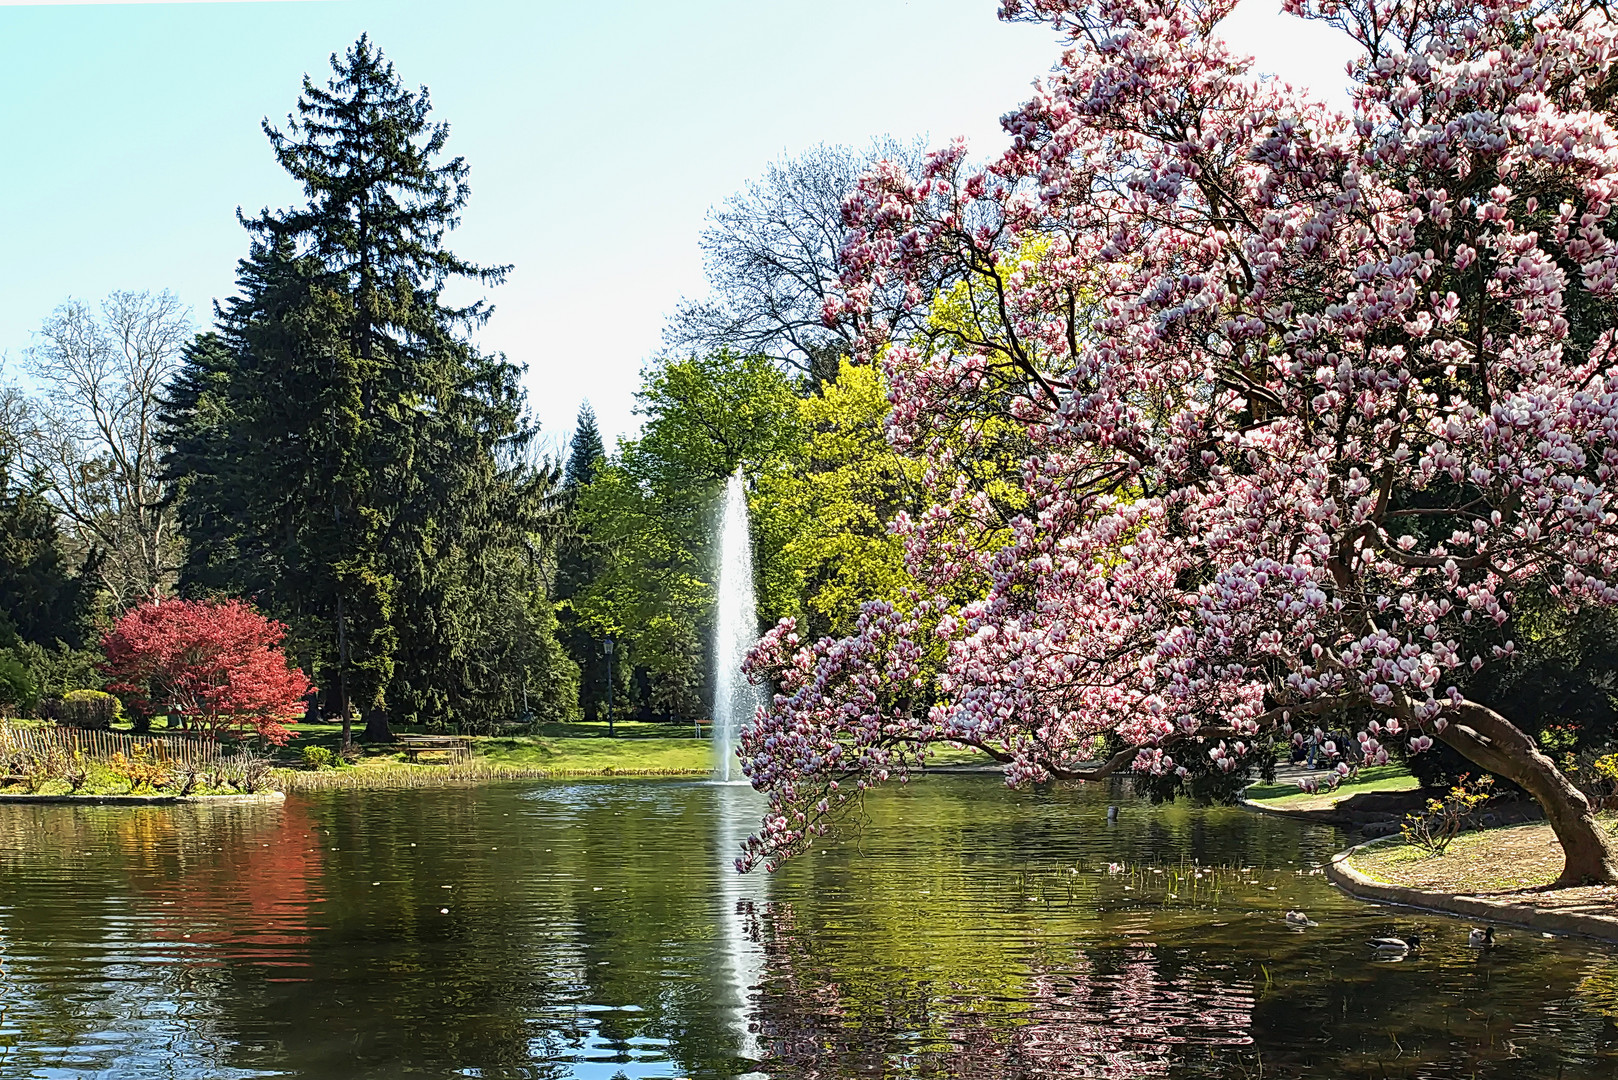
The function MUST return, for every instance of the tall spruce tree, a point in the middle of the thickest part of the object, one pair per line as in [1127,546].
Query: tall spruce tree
[585,451]
[579,561]
[341,451]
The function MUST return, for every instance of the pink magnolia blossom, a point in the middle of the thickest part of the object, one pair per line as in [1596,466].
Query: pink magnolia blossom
[1303,401]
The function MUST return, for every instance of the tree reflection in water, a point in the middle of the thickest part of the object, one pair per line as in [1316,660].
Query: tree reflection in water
[1124,1012]
[575,931]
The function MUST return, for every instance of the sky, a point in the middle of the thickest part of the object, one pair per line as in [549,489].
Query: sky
[598,135]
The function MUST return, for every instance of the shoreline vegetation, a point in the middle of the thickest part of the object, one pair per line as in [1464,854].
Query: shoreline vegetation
[555,751]
[268,795]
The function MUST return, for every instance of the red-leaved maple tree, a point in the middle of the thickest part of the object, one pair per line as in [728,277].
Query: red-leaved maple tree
[219,665]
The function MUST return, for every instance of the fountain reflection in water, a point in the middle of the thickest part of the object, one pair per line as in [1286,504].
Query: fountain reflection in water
[740,902]
[735,699]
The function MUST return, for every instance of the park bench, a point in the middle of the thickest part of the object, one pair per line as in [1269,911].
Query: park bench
[455,747]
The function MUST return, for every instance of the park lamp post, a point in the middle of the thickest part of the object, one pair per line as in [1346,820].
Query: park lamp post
[606,647]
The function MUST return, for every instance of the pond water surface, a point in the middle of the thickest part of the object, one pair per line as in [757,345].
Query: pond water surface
[595,930]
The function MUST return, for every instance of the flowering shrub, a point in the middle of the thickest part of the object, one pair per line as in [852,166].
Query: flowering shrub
[1306,401]
[1433,829]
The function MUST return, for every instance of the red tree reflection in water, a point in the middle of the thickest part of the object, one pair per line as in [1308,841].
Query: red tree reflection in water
[1122,1012]
[246,881]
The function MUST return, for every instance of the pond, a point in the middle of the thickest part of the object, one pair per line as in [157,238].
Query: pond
[594,930]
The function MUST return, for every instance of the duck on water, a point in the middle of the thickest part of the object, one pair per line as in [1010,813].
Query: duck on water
[1393,948]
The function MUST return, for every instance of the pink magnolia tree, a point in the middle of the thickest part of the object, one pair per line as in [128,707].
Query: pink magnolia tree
[1305,405]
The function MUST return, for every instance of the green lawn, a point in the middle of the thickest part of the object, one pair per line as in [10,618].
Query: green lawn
[580,747]
[1505,859]
[591,752]
[638,747]
[1287,796]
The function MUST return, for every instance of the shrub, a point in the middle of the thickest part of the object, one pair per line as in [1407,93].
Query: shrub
[92,709]
[17,689]
[1433,829]
[37,771]
[317,757]
[76,771]
[37,768]
[143,771]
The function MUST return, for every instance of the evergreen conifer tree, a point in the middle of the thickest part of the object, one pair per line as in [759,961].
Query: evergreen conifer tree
[40,601]
[579,561]
[342,452]
[585,452]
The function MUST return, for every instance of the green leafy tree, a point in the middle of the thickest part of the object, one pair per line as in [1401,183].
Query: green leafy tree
[652,512]
[17,688]
[823,507]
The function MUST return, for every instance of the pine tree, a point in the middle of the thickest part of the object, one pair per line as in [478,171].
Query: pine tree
[40,601]
[342,451]
[585,452]
[579,562]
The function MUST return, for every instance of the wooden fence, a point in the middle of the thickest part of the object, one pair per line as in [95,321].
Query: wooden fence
[102,745]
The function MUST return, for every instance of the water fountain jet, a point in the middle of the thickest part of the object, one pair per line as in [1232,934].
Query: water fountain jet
[735,699]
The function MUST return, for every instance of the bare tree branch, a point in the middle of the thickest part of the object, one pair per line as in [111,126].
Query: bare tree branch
[92,435]
[771,254]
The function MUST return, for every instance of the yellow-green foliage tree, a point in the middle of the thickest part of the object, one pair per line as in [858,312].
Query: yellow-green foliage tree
[822,513]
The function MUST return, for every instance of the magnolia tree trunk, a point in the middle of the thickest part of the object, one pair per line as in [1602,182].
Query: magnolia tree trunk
[1489,739]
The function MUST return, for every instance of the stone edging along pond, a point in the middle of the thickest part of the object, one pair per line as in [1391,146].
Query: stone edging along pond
[1341,872]
[144,800]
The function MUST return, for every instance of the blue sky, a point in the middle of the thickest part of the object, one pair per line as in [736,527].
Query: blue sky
[598,136]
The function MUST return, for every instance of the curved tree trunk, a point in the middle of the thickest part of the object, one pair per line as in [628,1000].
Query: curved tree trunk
[1484,736]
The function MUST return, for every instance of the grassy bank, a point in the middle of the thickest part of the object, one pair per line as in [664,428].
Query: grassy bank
[635,748]
[1486,861]
[1284,795]
[577,749]
[590,753]
[553,750]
